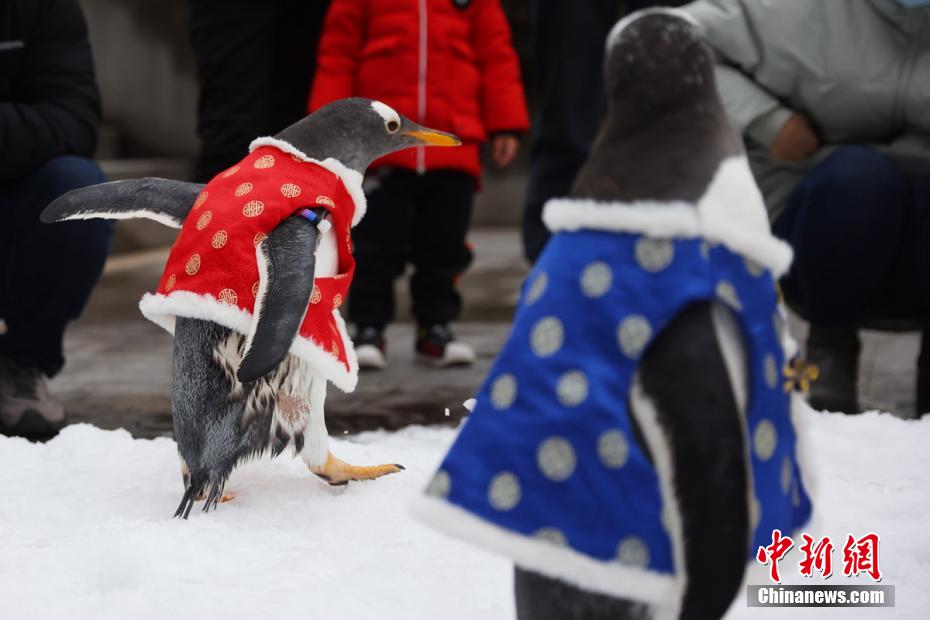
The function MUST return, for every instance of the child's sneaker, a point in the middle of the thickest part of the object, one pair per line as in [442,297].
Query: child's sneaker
[437,346]
[370,349]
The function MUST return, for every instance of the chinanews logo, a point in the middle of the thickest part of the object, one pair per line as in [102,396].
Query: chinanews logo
[860,556]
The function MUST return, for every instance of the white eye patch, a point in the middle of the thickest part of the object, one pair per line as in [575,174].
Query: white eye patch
[387,113]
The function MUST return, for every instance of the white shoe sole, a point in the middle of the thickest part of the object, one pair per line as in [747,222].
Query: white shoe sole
[370,357]
[456,354]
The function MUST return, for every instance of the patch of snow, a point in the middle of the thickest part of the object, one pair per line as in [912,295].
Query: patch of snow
[85,531]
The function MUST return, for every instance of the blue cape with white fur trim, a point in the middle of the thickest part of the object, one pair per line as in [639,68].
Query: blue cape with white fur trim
[547,469]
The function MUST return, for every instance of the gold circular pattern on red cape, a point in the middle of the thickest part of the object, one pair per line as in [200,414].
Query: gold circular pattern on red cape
[230,172]
[204,220]
[264,162]
[259,237]
[253,208]
[289,190]
[202,198]
[337,300]
[255,289]
[193,265]
[325,200]
[170,283]
[243,189]
[228,296]
[316,295]
[219,239]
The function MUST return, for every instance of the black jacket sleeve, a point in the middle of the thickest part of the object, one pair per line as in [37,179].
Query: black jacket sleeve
[49,101]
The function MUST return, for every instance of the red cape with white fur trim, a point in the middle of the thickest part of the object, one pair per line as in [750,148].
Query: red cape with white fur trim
[212,272]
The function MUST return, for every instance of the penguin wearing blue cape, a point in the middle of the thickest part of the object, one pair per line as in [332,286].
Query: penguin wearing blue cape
[633,444]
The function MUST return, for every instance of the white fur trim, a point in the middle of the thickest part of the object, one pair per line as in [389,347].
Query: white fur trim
[622,25]
[161,218]
[352,179]
[643,411]
[563,563]
[162,310]
[650,218]
[730,212]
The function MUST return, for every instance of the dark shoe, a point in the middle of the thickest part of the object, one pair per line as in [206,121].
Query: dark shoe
[437,346]
[923,375]
[370,349]
[835,352]
[26,407]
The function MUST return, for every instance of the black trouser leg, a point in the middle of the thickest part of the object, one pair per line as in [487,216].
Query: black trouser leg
[442,214]
[382,247]
[47,271]
[921,257]
[847,224]
[298,32]
[852,229]
[570,55]
[255,61]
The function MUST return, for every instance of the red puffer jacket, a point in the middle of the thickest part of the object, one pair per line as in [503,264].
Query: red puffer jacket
[447,64]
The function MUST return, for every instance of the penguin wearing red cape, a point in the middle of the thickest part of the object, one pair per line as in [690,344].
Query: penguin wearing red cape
[252,288]
[633,444]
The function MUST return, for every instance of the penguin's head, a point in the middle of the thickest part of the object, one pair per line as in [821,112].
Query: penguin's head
[657,60]
[665,131]
[358,131]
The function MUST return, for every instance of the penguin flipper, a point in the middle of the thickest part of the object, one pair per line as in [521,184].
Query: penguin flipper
[163,200]
[689,401]
[286,266]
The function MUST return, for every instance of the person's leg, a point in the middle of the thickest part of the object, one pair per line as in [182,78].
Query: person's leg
[569,54]
[234,46]
[440,254]
[47,272]
[381,243]
[845,222]
[921,257]
[299,26]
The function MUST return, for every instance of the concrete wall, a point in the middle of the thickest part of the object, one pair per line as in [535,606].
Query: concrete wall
[146,72]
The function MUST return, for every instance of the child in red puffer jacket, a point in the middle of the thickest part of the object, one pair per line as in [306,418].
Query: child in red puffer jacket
[447,64]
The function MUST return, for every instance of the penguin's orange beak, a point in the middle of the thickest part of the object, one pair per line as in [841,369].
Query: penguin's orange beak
[434,138]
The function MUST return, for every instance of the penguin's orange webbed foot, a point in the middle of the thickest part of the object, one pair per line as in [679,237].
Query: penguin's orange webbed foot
[337,472]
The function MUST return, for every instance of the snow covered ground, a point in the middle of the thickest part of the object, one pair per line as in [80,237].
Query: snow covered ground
[85,531]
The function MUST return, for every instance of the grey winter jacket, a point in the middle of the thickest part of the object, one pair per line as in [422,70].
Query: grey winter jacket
[858,69]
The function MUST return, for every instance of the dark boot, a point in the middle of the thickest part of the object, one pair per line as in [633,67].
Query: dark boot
[835,351]
[26,407]
[923,375]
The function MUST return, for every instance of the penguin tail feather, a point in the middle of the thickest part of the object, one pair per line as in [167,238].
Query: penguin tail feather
[197,488]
